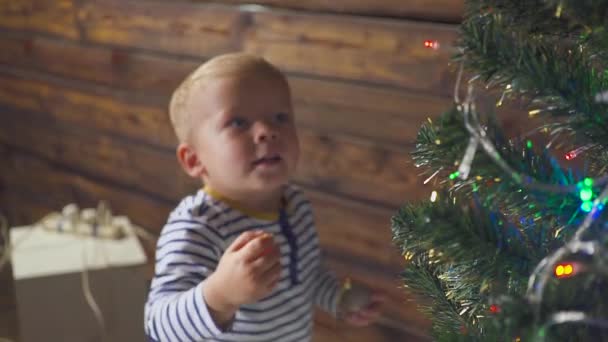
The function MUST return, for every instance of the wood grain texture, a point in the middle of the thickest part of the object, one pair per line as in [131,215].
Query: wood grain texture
[430,10]
[383,51]
[384,115]
[52,17]
[175,27]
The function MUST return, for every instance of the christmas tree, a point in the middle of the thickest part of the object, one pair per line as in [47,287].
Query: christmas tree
[512,244]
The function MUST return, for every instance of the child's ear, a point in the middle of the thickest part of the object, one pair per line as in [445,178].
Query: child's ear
[189,160]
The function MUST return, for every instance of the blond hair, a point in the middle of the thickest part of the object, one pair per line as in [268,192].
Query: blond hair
[227,65]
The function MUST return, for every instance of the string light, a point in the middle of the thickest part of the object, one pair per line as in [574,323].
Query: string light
[564,270]
[570,155]
[431,44]
[529,144]
[433,196]
[494,308]
[454,175]
[576,152]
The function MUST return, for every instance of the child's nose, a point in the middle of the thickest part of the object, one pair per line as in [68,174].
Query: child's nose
[265,132]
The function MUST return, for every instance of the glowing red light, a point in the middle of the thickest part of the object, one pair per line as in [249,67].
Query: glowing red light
[570,155]
[431,44]
[494,308]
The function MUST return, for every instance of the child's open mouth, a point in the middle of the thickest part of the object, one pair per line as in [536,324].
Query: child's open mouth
[267,161]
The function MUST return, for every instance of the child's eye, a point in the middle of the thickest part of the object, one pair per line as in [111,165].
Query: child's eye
[282,117]
[237,123]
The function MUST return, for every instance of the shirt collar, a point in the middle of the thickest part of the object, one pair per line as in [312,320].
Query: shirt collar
[261,215]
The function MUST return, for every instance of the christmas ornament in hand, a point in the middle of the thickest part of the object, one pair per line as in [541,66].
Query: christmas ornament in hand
[355,297]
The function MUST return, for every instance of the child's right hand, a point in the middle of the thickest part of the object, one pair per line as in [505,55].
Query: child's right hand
[248,271]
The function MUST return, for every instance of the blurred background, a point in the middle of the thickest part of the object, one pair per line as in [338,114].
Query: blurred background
[84,88]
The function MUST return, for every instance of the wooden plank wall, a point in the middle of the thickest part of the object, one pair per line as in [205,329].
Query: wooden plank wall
[84,86]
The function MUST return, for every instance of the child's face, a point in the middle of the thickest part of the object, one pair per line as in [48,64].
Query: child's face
[244,134]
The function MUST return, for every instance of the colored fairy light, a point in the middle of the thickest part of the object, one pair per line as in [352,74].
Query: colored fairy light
[576,152]
[570,155]
[454,175]
[587,206]
[431,44]
[564,270]
[588,182]
[529,144]
[494,308]
[586,194]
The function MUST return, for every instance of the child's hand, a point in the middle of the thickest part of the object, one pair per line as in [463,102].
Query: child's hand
[367,314]
[248,271]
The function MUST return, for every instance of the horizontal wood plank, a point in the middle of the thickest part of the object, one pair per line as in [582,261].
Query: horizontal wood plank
[384,51]
[387,116]
[52,17]
[430,10]
[173,27]
[57,185]
[370,50]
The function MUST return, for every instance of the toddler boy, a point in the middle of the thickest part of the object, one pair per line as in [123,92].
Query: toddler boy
[239,260]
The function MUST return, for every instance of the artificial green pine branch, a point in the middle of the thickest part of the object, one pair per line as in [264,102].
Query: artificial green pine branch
[557,76]
[461,257]
[442,143]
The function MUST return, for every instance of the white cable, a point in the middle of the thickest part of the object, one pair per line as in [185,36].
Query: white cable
[88,294]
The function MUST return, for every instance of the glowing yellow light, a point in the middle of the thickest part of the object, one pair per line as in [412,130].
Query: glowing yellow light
[559,270]
[533,112]
[437,142]
[433,196]
[479,178]
[497,179]
[558,10]
[568,269]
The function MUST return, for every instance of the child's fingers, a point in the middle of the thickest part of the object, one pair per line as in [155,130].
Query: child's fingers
[269,258]
[243,239]
[272,275]
[355,318]
[257,246]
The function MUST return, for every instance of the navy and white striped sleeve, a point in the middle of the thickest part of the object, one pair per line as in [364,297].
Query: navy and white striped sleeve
[326,287]
[326,291]
[187,252]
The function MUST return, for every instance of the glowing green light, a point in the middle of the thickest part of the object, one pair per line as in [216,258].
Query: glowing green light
[586,194]
[529,144]
[588,182]
[475,187]
[454,175]
[587,206]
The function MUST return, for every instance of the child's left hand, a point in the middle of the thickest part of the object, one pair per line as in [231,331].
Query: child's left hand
[368,314]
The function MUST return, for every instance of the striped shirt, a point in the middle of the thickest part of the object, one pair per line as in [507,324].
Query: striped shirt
[191,243]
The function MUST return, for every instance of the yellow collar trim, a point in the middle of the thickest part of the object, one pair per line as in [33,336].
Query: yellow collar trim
[261,215]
